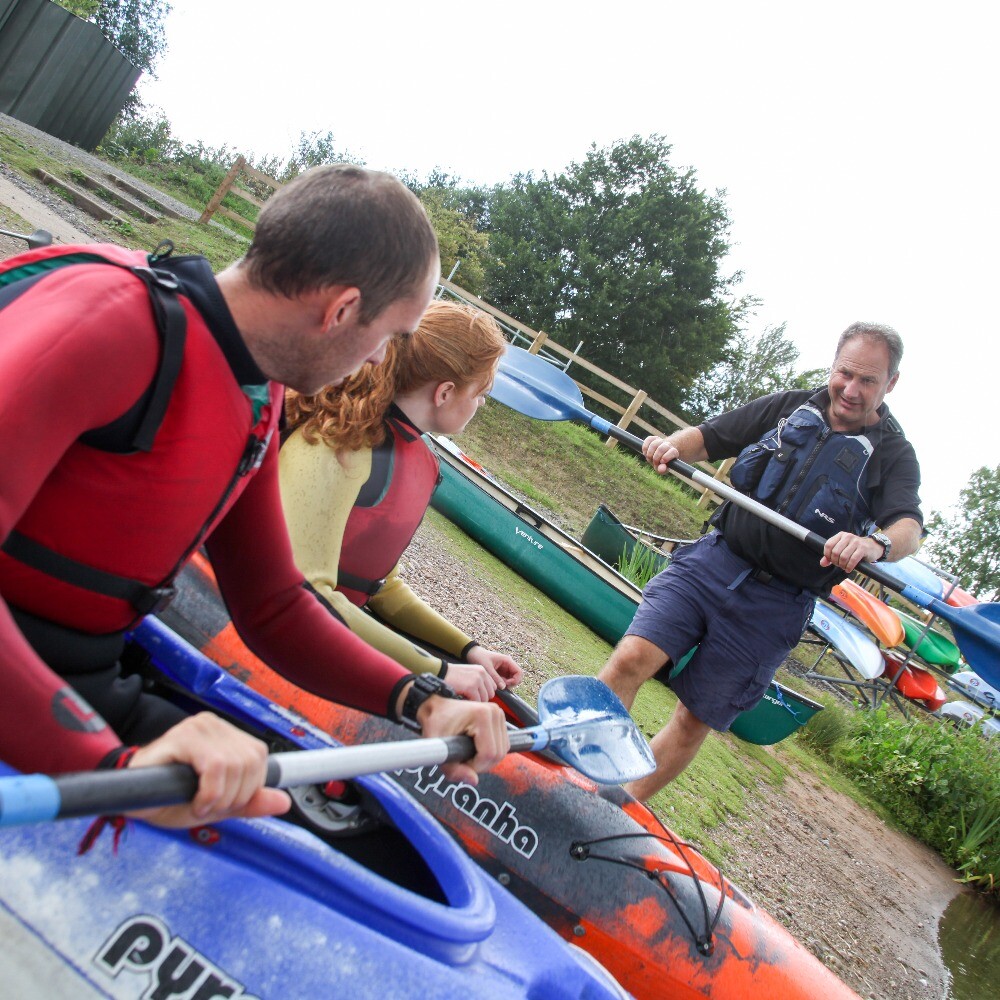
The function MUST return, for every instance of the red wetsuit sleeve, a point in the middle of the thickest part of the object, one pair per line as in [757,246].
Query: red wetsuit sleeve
[278,618]
[70,363]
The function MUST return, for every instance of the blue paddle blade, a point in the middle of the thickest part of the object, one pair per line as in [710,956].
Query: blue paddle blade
[591,730]
[529,384]
[976,630]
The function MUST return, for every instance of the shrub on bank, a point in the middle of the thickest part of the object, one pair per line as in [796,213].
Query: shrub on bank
[940,784]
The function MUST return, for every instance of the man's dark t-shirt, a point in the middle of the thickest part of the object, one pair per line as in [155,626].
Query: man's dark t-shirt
[893,478]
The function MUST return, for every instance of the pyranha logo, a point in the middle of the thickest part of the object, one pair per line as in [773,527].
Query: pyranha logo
[500,820]
[826,517]
[145,945]
[529,538]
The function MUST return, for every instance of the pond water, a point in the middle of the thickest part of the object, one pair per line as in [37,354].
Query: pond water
[969,938]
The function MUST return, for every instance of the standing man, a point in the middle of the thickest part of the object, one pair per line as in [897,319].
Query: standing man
[137,423]
[836,462]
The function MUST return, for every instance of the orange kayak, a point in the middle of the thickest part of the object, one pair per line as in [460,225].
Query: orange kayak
[879,618]
[591,861]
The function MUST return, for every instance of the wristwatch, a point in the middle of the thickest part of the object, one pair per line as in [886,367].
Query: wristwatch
[885,541]
[421,689]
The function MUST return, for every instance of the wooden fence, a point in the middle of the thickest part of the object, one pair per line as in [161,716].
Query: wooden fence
[630,413]
[240,168]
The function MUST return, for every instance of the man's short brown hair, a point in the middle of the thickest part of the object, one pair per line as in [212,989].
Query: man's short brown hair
[343,225]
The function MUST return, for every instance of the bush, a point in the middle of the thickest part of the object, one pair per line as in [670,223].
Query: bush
[940,784]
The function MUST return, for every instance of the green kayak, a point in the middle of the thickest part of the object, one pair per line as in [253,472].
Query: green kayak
[571,574]
[935,648]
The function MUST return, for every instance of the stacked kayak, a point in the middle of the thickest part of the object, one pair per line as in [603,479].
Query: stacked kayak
[594,863]
[850,643]
[914,682]
[929,644]
[965,713]
[264,908]
[874,614]
[974,687]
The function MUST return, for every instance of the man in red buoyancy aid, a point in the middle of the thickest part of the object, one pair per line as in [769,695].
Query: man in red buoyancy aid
[138,423]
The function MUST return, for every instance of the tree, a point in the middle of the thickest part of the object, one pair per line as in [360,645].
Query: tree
[967,543]
[752,367]
[623,252]
[459,240]
[135,27]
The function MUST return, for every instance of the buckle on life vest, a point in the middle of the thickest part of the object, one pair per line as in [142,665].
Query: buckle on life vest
[157,599]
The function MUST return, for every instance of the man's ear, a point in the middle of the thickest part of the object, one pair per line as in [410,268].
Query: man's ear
[342,305]
[892,383]
[443,392]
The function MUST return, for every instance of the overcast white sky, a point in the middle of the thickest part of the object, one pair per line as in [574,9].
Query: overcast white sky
[856,142]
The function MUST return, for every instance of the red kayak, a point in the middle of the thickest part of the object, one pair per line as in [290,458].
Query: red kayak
[593,862]
[915,682]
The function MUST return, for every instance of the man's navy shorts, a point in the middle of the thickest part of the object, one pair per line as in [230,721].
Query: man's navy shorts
[743,628]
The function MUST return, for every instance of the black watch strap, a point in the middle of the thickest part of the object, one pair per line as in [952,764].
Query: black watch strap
[423,687]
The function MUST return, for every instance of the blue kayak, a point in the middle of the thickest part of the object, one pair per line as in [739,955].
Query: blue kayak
[265,908]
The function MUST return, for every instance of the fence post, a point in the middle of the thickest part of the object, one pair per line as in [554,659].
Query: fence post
[720,474]
[223,189]
[633,408]
[538,343]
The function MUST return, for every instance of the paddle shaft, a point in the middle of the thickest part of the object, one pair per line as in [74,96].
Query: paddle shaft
[816,542]
[37,798]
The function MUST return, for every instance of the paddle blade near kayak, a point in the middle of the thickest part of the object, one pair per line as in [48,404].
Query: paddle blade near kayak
[592,730]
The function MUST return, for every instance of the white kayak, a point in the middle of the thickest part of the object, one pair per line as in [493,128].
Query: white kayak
[974,687]
[966,714]
[847,640]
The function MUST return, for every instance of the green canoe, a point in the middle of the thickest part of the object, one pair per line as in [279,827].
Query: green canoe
[539,551]
[613,541]
[573,576]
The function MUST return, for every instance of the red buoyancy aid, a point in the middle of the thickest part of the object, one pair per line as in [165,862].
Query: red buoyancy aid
[136,515]
[387,512]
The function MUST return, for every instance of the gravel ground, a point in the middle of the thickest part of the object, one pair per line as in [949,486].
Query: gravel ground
[862,897]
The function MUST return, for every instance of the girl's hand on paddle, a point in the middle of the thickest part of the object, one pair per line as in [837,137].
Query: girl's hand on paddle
[658,452]
[504,671]
[471,681]
[486,724]
[845,551]
[231,767]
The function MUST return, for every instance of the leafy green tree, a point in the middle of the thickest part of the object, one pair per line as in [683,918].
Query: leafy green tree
[460,242]
[623,252]
[967,543]
[752,367]
[134,26]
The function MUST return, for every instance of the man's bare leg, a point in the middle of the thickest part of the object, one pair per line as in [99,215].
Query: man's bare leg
[634,661]
[674,747]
